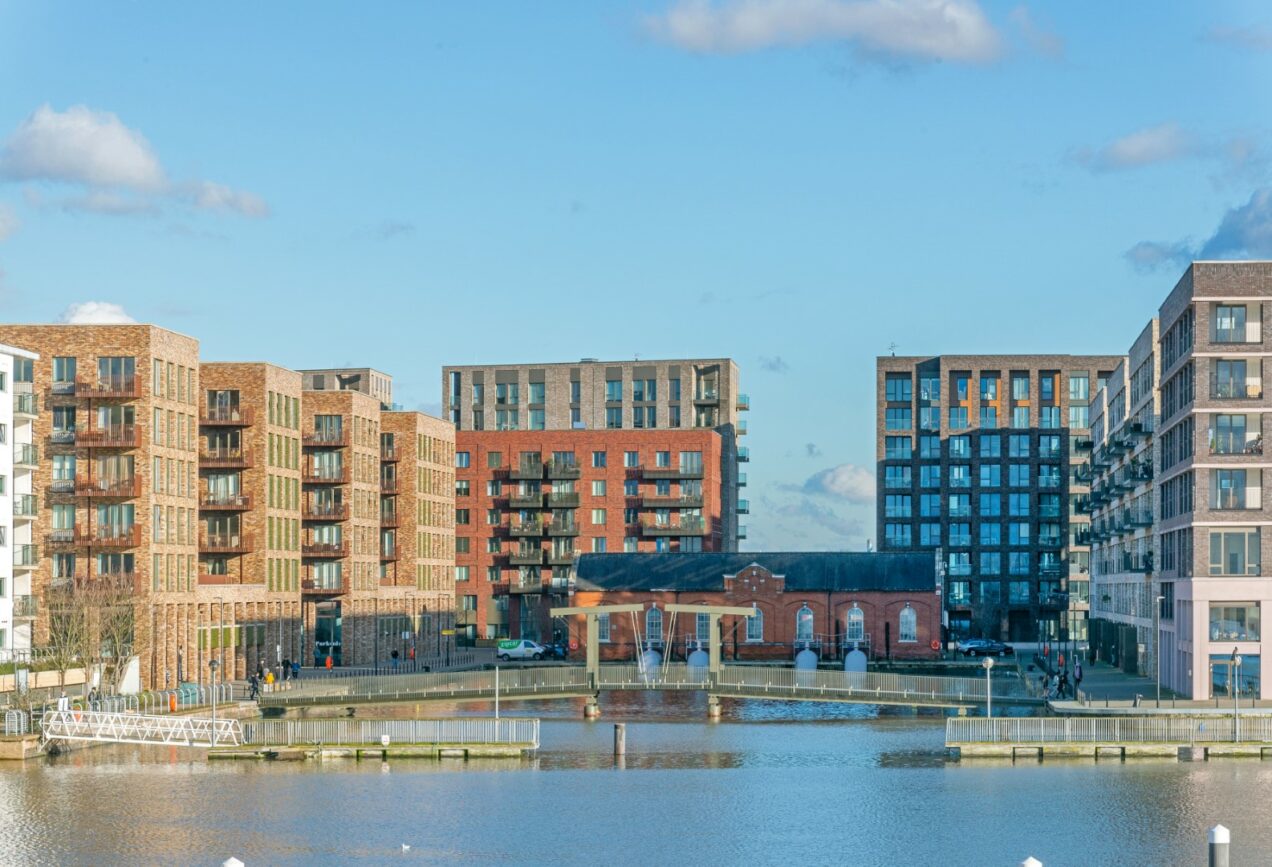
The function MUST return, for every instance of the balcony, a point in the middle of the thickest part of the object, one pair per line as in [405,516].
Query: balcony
[107,488]
[741,531]
[25,506]
[310,548]
[707,395]
[62,436]
[25,607]
[1236,442]
[388,519]
[527,586]
[744,402]
[324,512]
[227,416]
[25,404]
[326,439]
[526,557]
[960,511]
[1049,540]
[563,499]
[1082,444]
[1057,601]
[959,569]
[120,436]
[25,557]
[650,472]
[741,480]
[226,502]
[959,599]
[563,469]
[1082,538]
[684,501]
[312,475]
[1136,562]
[321,586]
[225,457]
[744,454]
[25,456]
[225,543]
[1235,389]
[527,470]
[114,387]
[559,557]
[388,484]
[562,528]
[685,527]
[389,553]
[1051,569]
[1137,517]
[532,527]
[388,454]
[108,536]
[517,500]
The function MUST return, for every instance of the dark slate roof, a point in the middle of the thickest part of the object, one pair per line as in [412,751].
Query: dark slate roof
[810,571]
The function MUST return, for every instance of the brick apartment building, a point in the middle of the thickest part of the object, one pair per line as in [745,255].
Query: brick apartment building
[887,605]
[528,502]
[189,484]
[977,460]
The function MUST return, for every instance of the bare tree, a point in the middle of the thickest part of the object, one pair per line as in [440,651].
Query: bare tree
[68,630]
[109,607]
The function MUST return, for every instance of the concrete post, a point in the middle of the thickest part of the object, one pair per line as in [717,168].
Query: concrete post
[1220,837]
[713,647]
[593,651]
[620,739]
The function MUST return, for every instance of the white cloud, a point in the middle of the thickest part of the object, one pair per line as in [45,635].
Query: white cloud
[847,481]
[947,30]
[1155,144]
[1245,230]
[1042,41]
[114,167]
[1151,255]
[95,313]
[8,221]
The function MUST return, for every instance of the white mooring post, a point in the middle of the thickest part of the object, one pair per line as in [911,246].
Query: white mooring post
[1031,862]
[1220,837]
[620,739]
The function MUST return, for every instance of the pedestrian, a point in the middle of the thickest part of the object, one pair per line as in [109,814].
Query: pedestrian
[253,689]
[295,670]
[1064,683]
[260,670]
[269,680]
[1055,686]
[1042,683]
[329,662]
[393,660]
[286,668]
[63,702]
[1077,677]
[92,699]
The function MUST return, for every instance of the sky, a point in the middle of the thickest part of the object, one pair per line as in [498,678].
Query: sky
[797,184]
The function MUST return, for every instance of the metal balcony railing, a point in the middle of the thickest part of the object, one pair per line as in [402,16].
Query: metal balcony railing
[24,506]
[121,436]
[25,404]
[226,502]
[126,387]
[1235,389]
[228,416]
[326,438]
[325,512]
[107,487]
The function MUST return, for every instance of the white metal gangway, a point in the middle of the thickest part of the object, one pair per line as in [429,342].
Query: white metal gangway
[132,728]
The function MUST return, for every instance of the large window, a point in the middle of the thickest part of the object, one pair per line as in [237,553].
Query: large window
[989,417]
[896,477]
[909,625]
[929,447]
[855,626]
[989,387]
[897,448]
[930,475]
[1079,386]
[897,534]
[897,506]
[991,505]
[991,563]
[1234,621]
[1020,386]
[1231,492]
[961,446]
[897,418]
[898,387]
[602,627]
[1230,323]
[654,627]
[958,418]
[930,387]
[991,446]
[755,626]
[1234,551]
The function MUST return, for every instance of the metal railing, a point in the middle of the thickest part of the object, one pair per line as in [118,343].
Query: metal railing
[458,732]
[450,685]
[1160,729]
[632,676]
[16,722]
[132,728]
[754,681]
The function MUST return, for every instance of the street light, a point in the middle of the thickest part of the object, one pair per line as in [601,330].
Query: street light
[1236,691]
[1157,644]
[988,665]
[213,665]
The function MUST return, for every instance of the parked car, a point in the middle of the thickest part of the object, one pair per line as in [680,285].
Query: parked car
[520,648]
[558,650]
[984,647]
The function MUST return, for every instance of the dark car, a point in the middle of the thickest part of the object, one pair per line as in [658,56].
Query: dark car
[557,650]
[984,647]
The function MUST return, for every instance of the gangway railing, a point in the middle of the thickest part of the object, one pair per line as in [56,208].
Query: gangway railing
[677,676]
[1111,730]
[509,731]
[132,728]
[775,682]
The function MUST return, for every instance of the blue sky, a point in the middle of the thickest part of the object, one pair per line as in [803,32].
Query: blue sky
[796,184]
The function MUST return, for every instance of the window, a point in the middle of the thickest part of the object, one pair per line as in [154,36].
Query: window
[1049,476]
[1018,446]
[959,563]
[494,460]
[855,624]
[702,628]
[1048,417]
[961,446]
[897,418]
[1049,446]
[991,446]
[602,627]
[929,447]
[897,386]
[1230,323]
[991,563]
[598,545]
[897,448]
[598,460]
[644,390]
[909,625]
[1234,621]
[1079,416]
[1018,562]
[755,626]
[991,505]
[662,459]
[929,535]
[991,475]
[537,392]
[960,535]
[960,506]
[991,534]
[1047,387]
[958,418]
[63,373]
[598,517]
[494,487]
[492,517]
[991,592]
[1234,552]
[631,487]
[989,387]
[537,419]
[461,573]
[930,505]
[960,476]
[1020,416]
[1020,386]
[631,459]
[960,592]
[508,393]
[613,417]
[897,534]
[929,475]
[1018,505]
[598,487]
[896,477]
[1018,475]
[654,627]
[1230,490]
[929,418]
[930,388]
[614,390]
[1079,386]
[897,506]
[462,460]
[989,417]
[1018,533]
[462,516]
[803,624]
[1018,592]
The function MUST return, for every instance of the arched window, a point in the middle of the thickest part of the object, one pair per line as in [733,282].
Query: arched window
[654,627]
[703,628]
[804,624]
[755,626]
[855,629]
[602,627]
[909,624]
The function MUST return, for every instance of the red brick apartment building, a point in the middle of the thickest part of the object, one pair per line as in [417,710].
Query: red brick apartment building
[885,604]
[528,502]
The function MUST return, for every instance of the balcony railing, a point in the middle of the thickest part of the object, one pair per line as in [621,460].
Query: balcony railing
[562,469]
[24,506]
[109,536]
[325,512]
[531,500]
[526,557]
[326,439]
[322,586]
[1137,562]
[563,499]
[26,455]
[1236,443]
[744,402]
[226,502]
[127,387]
[225,457]
[687,472]
[388,484]
[532,527]
[1235,389]
[388,519]
[388,454]
[225,543]
[683,501]
[312,475]
[62,436]
[25,607]
[958,569]
[527,470]
[1138,517]
[562,528]
[310,548]
[86,487]
[227,416]
[25,404]
[557,557]
[389,553]
[121,436]
[25,556]
[686,526]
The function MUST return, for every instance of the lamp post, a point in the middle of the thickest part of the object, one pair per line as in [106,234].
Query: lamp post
[220,639]
[1236,691]
[1157,644]
[213,665]
[988,665]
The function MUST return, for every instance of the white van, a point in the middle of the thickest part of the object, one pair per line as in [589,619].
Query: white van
[520,648]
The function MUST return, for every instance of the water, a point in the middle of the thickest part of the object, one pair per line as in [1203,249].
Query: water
[769,783]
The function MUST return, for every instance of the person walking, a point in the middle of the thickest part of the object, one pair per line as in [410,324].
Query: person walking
[1077,677]
[295,670]
[253,689]
[1064,683]
[393,660]
[269,680]
[286,669]
[329,662]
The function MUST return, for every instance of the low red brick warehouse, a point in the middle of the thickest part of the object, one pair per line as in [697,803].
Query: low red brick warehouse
[885,604]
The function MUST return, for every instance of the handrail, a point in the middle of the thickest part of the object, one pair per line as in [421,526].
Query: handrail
[511,731]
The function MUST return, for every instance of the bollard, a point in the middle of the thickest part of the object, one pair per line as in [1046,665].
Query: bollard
[1219,839]
[620,739]
[1031,862]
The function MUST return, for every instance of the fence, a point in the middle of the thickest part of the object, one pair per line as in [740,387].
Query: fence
[470,684]
[16,722]
[1172,729]
[512,731]
[848,684]
[453,661]
[131,728]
